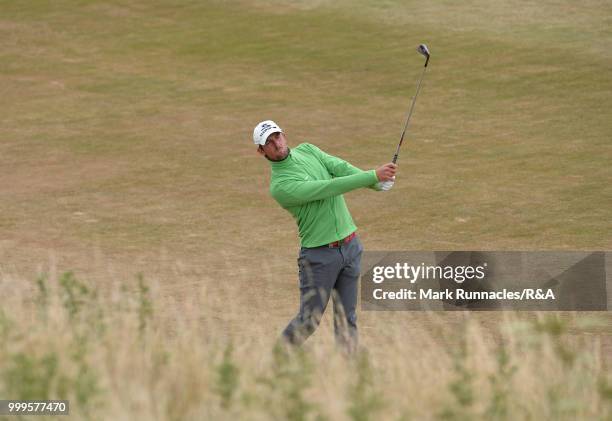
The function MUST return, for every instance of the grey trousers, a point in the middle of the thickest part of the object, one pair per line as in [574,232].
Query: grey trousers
[325,272]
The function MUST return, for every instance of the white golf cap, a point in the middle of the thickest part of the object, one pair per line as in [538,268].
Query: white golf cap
[263,130]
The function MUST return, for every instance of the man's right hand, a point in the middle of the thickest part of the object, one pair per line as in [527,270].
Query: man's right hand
[386,172]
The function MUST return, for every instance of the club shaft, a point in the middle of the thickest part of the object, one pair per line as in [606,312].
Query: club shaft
[410,113]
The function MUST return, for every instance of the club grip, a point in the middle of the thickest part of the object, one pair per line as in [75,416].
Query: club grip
[394,160]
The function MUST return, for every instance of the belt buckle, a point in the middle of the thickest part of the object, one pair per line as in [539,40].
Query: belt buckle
[341,242]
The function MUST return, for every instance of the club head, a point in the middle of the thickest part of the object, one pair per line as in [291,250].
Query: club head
[422,49]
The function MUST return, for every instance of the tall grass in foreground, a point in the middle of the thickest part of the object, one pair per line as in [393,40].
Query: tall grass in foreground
[130,352]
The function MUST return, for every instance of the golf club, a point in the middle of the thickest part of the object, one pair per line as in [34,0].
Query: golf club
[422,49]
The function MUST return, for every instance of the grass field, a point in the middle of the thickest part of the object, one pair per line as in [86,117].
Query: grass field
[125,148]
[131,352]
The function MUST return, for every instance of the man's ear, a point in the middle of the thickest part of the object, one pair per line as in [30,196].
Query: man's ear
[260,150]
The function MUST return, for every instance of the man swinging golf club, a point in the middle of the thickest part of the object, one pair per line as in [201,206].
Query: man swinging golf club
[309,184]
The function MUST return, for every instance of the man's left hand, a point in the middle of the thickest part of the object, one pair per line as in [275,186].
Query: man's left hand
[386,185]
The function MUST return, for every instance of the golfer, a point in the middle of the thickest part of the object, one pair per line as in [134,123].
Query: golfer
[309,184]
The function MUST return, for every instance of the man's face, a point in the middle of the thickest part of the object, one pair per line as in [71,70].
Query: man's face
[276,147]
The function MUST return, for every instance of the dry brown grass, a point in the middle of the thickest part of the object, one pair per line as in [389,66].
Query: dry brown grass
[125,148]
[135,350]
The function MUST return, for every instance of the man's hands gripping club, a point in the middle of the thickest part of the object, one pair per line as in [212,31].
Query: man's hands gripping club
[386,176]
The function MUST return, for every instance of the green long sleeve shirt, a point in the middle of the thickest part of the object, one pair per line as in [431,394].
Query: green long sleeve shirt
[309,184]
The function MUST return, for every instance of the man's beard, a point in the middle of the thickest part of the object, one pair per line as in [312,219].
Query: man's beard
[278,160]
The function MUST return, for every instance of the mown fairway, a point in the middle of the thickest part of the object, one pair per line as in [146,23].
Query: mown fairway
[125,137]
[128,124]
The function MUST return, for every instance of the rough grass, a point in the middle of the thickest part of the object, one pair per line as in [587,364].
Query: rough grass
[125,350]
